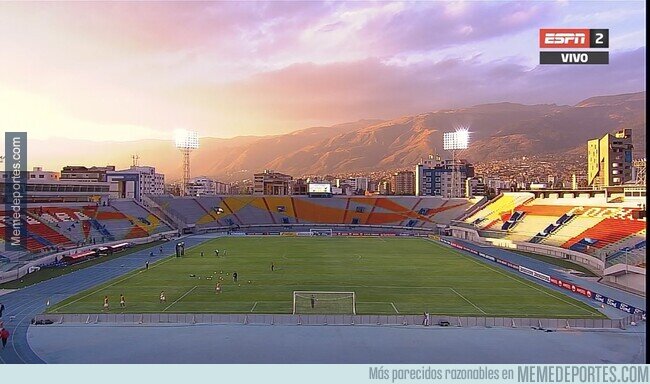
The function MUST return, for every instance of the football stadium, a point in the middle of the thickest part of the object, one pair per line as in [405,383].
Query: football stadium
[372,263]
[306,189]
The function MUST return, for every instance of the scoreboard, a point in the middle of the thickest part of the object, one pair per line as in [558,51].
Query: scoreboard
[320,188]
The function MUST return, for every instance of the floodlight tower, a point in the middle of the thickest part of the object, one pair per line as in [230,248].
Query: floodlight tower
[454,141]
[186,141]
[639,171]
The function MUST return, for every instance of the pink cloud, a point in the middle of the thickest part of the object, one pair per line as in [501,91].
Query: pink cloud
[244,67]
[368,88]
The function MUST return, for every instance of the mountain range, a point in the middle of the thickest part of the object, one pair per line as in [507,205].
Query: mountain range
[498,131]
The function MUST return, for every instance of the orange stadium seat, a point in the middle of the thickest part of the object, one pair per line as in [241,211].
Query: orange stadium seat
[608,231]
[283,210]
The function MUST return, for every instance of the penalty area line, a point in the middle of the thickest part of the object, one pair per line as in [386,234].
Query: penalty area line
[393,305]
[254,305]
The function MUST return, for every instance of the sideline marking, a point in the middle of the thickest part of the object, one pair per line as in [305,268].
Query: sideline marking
[524,282]
[180,298]
[115,282]
[466,299]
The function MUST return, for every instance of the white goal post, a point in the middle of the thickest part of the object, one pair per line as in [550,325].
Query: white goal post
[324,302]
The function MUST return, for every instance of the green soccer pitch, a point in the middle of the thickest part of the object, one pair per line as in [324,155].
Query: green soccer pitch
[387,275]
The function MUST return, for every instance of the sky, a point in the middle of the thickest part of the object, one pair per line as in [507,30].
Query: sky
[140,70]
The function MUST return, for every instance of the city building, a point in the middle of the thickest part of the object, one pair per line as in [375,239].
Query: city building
[384,188]
[362,184]
[437,177]
[48,187]
[135,182]
[173,189]
[270,182]
[299,187]
[85,174]
[475,186]
[38,173]
[353,185]
[403,183]
[222,188]
[202,186]
[609,159]
[497,185]
[240,189]
[373,186]
[553,182]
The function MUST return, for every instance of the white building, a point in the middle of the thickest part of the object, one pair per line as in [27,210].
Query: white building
[136,182]
[362,183]
[497,184]
[47,187]
[39,174]
[221,188]
[353,184]
[202,186]
[475,186]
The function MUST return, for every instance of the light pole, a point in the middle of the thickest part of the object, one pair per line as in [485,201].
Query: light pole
[186,142]
[453,141]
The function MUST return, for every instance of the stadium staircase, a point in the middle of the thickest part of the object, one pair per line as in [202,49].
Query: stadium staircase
[634,255]
[140,216]
[627,242]
[155,207]
[552,228]
[560,235]
[102,230]
[498,210]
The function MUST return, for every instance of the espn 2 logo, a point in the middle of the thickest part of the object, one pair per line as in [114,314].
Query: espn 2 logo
[573,38]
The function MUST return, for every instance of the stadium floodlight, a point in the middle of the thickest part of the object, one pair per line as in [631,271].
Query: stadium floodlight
[459,139]
[186,141]
[454,141]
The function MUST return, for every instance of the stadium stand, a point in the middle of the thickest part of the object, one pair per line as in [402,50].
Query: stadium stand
[232,211]
[143,219]
[63,226]
[607,231]
[634,255]
[495,213]
[187,210]
[575,221]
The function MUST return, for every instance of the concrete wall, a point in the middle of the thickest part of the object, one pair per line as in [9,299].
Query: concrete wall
[592,263]
[390,320]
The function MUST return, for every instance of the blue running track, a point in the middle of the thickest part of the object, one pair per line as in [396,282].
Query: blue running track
[22,305]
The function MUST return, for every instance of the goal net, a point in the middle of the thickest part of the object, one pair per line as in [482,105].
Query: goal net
[324,303]
[321,232]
